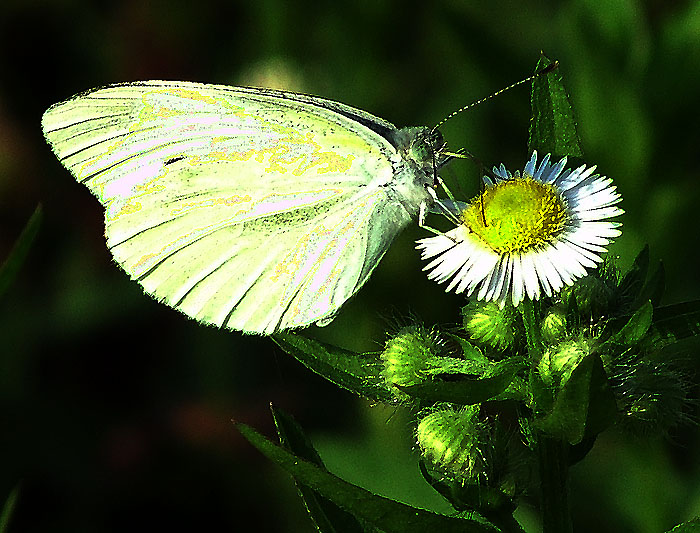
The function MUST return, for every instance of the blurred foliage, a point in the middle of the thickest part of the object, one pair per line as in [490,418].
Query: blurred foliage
[117,409]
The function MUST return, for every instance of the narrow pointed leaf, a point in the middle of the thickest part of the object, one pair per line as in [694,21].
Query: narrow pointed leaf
[637,326]
[7,510]
[691,526]
[468,390]
[383,513]
[359,373]
[327,516]
[678,321]
[633,281]
[552,126]
[628,330]
[488,501]
[469,351]
[14,261]
[584,406]
[654,288]
[573,317]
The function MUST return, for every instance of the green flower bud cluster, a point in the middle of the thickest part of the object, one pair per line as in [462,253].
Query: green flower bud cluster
[563,368]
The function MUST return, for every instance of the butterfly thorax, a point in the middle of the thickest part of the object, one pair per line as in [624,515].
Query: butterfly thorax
[414,169]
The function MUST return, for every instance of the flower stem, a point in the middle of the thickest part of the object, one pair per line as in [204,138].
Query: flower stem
[552,454]
[532,329]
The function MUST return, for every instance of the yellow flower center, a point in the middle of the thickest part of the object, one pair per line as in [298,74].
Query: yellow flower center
[516,215]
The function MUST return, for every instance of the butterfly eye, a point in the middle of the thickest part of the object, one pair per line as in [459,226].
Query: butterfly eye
[436,140]
[421,150]
[426,147]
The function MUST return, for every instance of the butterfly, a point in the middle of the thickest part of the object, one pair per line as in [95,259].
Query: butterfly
[250,209]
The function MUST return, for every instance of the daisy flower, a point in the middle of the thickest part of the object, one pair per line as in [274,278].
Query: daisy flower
[526,234]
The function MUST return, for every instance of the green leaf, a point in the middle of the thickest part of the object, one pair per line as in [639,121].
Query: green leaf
[632,283]
[654,288]
[442,486]
[573,316]
[468,390]
[681,351]
[678,321]
[578,452]
[293,438]
[636,327]
[7,510]
[359,373]
[387,515]
[691,526]
[584,406]
[14,261]
[469,351]
[490,502]
[552,126]
[327,516]
[633,330]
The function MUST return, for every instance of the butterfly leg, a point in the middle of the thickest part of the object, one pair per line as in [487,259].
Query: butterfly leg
[423,210]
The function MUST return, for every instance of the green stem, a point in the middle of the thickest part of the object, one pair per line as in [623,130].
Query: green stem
[553,454]
[532,329]
[553,458]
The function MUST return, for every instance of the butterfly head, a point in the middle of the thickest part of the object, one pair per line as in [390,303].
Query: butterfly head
[424,147]
[427,146]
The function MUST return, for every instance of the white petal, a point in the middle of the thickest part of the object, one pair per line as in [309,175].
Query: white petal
[480,268]
[503,283]
[530,165]
[532,284]
[555,170]
[544,271]
[518,283]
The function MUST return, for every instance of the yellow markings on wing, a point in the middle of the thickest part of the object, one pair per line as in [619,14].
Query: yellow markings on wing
[327,245]
[229,201]
[127,209]
[150,112]
[331,236]
[283,148]
[284,154]
[147,261]
[128,202]
[293,261]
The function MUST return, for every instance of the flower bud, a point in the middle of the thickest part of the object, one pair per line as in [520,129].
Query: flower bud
[449,439]
[560,360]
[490,324]
[554,325]
[651,396]
[407,355]
[595,297]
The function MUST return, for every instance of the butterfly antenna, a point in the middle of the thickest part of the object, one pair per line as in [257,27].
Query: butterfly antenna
[546,70]
[463,153]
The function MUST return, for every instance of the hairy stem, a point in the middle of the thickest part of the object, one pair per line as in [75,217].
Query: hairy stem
[552,454]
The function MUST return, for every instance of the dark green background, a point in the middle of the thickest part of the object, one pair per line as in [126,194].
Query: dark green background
[115,410]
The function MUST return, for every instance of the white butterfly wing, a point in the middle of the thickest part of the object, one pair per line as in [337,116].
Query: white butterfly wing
[248,209]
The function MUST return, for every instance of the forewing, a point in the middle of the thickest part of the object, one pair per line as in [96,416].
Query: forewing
[230,204]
